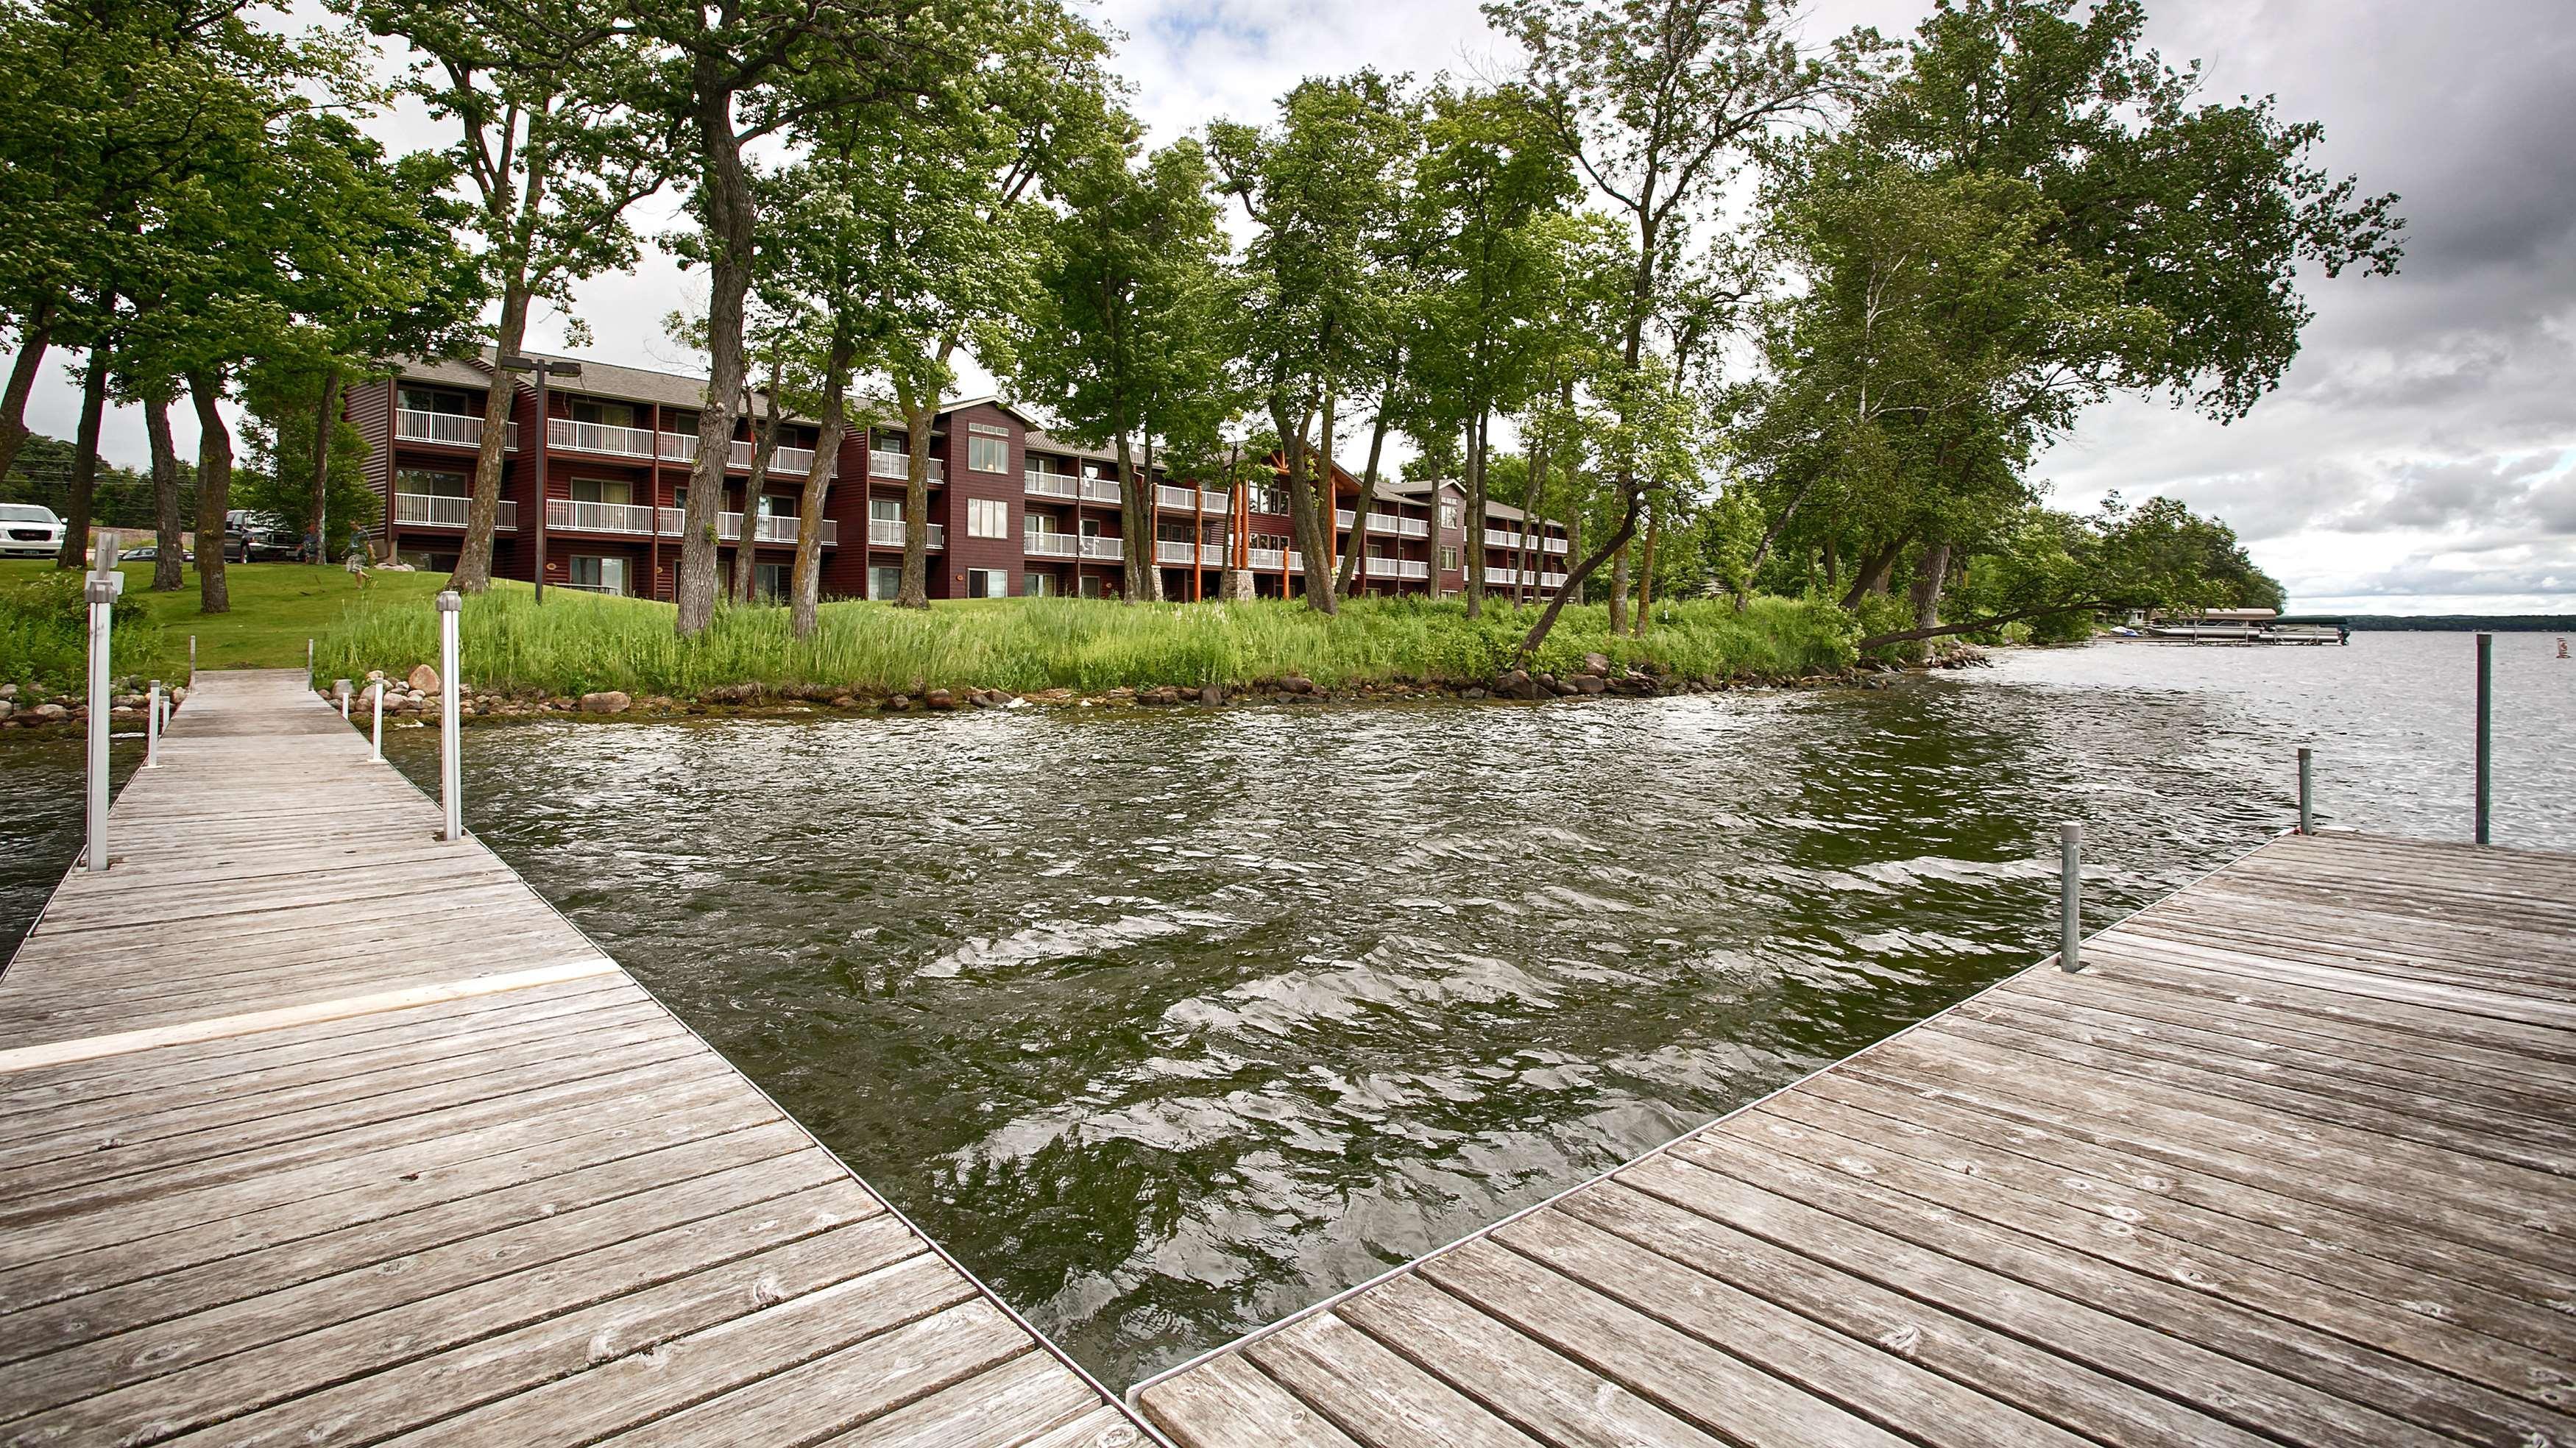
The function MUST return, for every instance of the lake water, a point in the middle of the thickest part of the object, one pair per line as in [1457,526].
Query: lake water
[1171,1022]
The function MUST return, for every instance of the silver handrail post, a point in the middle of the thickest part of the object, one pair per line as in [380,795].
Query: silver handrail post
[340,691]
[152,728]
[2307,810]
[308,663]
[2070,895]
[102,587]
[2486,715]
[378,693]
[451,771]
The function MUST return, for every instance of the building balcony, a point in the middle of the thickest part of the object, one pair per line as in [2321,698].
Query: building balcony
[1506,538]
[1103,490]
[429,510]
[898,466]
[1382,567]
[888,533]
[571,516]
[1091,548]
[1051,485]
[772,528]
[603,438]
[1394,525]
[1180,553]
[1192,500]
[1513,578]
[448,429]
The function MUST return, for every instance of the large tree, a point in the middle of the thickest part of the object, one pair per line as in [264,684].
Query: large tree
[551,162]
[1660,102]
[1121,340]
[1322,186]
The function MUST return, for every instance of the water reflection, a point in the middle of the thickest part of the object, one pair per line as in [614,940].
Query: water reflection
[1170,1023]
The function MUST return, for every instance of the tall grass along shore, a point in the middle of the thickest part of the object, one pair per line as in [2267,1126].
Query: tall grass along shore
[577,644]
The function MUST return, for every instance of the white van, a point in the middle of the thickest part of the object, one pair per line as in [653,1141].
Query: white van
[29,530]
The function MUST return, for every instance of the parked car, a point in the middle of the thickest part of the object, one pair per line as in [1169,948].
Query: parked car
[29,530]
[255,537]
[151,553]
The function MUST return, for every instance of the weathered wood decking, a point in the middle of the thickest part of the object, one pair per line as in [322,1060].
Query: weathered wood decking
[314,1129]
[2289,1162]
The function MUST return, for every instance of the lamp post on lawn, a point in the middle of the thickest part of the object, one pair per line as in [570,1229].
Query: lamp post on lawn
[543,367]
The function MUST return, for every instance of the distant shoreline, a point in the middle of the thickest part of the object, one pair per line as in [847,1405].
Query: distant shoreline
[2444,622]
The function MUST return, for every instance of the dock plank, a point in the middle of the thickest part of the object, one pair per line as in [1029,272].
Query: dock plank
[2290,1161]
[263,1182]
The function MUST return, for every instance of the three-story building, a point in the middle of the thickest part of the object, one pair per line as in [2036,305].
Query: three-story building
[1012,511]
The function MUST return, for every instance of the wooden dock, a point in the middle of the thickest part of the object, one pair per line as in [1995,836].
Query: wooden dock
[316,1129]
[2287,1162]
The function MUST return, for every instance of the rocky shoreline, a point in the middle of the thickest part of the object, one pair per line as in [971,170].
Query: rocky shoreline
[413,699]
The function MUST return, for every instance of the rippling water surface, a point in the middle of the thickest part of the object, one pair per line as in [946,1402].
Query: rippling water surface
[1169,1023]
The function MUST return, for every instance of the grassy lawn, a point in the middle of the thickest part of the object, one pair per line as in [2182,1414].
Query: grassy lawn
[275,608]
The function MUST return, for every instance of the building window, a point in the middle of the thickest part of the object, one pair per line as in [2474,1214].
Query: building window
[437,399]
[433,485]
[885,510]
[599,575]
[611,414]
[987,583]
[988,454]
[1036,585]
[1449,516]
[1448,560]
[988,518]
[602,490]
[884,581]
[770,581]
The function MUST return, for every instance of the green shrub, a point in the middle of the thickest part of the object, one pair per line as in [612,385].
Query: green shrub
[44,634]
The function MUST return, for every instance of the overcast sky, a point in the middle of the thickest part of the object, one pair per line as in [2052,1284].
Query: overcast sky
[2419,458]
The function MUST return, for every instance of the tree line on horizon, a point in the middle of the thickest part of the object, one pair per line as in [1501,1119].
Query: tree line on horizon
[1750,314]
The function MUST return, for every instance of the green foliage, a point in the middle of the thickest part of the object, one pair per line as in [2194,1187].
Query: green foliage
[577,643]
[44,633]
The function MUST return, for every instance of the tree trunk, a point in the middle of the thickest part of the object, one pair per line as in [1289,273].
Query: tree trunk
[914,591]
[1619,591]
[1833,565]
[1473,554]
[724,191]
[214,490]
[1646,574]
[1308,536]
[1349,575]
[1581,573]
[326,417]
[483,511]
[1525,569]
[1326,504]
[1872,575]
[805,585]
[84,476]
[33,339]
[764,449]
[1930,572]
[169,521]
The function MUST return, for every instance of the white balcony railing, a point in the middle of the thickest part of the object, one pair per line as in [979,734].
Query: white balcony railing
[1392,524]
[453,429]
[1191,500]
[599,437]
[1506,538]
[1050,485]
[1104,550]
[771,528]
[578,517]
[883,464]
[1513,578]
[1383,567]
[433,511]
[1041,543]
[1102,490]
[888,533]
